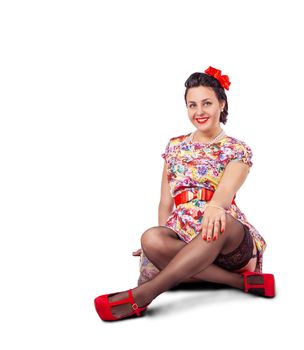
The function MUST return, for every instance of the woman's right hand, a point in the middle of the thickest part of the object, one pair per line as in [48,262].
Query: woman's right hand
[137,252]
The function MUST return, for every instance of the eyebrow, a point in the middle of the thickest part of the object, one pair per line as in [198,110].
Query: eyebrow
[205,99]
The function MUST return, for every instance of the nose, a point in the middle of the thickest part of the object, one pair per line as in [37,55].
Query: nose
[200,111]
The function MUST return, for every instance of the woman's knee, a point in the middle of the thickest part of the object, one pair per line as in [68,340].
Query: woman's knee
[156,239]
[151,239]
[233,234]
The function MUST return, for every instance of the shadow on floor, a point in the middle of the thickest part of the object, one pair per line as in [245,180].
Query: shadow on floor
[200,285]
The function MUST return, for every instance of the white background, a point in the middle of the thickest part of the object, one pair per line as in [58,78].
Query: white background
[91,92]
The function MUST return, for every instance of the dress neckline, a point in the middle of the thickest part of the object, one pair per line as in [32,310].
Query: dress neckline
[190,137]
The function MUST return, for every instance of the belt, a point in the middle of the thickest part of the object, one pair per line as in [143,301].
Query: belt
[202,194]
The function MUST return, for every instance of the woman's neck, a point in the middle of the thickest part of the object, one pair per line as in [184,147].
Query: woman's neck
[205,137]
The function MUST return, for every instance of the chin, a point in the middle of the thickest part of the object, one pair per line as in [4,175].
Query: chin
[203,127]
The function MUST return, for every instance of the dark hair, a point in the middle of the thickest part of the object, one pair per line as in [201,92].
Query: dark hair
[203,79]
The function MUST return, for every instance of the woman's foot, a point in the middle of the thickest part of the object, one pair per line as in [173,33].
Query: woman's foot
[259,283]
[125,309]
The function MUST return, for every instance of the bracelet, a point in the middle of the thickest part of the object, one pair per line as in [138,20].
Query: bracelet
[213,205]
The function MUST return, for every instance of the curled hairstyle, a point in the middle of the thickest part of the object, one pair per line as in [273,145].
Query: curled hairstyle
[203,79]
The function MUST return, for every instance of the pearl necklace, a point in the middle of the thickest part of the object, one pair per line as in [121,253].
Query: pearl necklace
[222,133]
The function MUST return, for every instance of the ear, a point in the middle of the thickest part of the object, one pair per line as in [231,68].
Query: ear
[222,104]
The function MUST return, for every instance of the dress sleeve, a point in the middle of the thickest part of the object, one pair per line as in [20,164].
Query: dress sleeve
[167,149]
[242,152]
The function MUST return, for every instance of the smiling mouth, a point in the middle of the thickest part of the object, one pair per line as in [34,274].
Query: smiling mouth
[201,120]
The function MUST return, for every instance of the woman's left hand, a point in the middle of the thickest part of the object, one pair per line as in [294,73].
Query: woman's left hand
[214,220]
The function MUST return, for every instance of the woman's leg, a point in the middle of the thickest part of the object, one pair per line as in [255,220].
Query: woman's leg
[160,244]
[194,257]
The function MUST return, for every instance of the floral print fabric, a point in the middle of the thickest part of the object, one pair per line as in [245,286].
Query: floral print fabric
[190,166]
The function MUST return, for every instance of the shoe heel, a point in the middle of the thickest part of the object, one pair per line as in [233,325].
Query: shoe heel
[266,289]
[269,286]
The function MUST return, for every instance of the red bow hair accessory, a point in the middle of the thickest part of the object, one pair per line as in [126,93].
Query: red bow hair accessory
[216,73]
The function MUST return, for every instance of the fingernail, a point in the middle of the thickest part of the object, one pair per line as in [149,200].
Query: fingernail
[204,237]
[209,239]
[222,230]
[214,238]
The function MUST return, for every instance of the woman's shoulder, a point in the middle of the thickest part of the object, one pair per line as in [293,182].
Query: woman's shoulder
[173,144]
[236,141]
[175,140]
[239,150]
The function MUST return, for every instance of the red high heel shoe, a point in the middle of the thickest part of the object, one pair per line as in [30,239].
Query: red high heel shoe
[103,306]
[266,289]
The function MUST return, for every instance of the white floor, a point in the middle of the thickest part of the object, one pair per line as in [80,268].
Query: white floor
[56,311]
[217,318]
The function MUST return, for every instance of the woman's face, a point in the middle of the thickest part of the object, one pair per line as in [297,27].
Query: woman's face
[204,109]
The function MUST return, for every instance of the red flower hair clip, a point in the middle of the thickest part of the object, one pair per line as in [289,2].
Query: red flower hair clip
[216,73]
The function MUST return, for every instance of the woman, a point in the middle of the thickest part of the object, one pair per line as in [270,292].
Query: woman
[206,237]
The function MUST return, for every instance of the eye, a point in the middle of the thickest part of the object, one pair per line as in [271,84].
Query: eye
[207,103]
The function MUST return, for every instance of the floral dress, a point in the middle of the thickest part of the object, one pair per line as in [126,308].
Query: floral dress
[193,165]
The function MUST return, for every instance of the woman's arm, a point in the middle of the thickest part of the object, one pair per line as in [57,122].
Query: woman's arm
[166,202]
[234,176]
